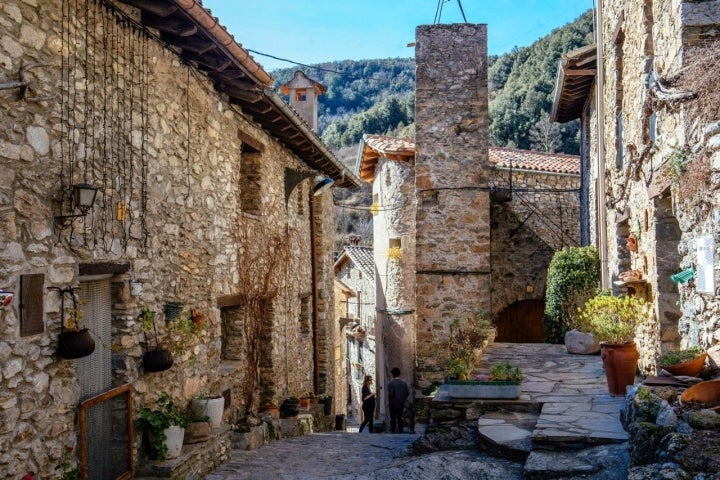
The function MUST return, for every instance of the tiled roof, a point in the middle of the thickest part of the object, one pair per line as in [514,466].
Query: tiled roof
[375,146]
[538,161]
[362,257]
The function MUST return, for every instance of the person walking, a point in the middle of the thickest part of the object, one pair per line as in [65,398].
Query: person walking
[398,393]
[368,404]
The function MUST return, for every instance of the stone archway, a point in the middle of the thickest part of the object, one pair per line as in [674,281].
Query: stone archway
[521,322]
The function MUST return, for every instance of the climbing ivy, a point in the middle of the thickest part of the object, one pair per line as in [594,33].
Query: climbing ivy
[573,277]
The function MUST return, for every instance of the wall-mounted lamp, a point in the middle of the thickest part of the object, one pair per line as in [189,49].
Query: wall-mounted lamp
[294,177]
[83,199]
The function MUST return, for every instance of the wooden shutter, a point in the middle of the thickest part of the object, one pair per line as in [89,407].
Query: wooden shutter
[32,295]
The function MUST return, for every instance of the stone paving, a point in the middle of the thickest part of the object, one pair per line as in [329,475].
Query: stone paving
[576,434]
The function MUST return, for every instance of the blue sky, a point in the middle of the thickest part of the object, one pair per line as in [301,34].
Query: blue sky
[324,30]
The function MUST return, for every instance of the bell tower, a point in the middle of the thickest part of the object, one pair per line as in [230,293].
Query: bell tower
[304,93]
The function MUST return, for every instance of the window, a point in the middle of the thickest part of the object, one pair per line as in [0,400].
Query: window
[300,95]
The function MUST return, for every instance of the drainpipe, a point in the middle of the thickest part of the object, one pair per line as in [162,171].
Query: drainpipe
[600,192]
[316,297]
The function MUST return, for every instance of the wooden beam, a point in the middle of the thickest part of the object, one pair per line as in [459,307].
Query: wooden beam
[579,72]
[195,44]
[157,7]
[213,63]
[172,25]
[100,268]
[251,142]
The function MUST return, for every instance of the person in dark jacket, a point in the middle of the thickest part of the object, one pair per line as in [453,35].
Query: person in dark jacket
[398,393]
[368,404]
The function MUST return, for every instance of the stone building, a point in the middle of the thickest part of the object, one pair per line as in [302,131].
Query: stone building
[645,89]
[534,211]
[355,269]
[202,199]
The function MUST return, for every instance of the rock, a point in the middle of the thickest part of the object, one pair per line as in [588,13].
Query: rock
[605,462]
[702,454]
[644,448]
[581,343]
[704,419]
[446,437]
[666,415]
[656,471]
[197,432]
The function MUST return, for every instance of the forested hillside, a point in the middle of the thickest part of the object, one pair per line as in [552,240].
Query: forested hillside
[377,96]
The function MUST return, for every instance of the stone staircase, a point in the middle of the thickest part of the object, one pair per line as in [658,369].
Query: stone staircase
[564,425]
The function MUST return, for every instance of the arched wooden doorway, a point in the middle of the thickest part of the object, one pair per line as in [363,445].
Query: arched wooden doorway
[521,322]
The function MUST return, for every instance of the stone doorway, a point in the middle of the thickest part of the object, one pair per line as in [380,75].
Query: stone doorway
[521,322]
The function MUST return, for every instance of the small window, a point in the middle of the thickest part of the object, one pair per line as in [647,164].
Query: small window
[300,95]
[395,242]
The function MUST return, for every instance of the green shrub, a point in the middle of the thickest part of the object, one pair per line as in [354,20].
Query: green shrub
[573,277]
[613,319]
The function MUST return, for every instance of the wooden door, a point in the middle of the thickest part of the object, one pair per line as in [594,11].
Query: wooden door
[521,322]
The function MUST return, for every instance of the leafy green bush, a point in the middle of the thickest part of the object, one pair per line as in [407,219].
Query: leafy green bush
[505,372]
[573,277]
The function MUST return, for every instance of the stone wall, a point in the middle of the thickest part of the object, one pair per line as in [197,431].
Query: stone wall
[156,138]
[393,189]
[542,217]
[647,41]
[453,207]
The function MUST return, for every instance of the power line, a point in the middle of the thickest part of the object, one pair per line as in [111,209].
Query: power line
[293,62]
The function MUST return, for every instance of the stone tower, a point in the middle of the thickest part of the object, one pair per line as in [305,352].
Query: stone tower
[304,93]
[452,194]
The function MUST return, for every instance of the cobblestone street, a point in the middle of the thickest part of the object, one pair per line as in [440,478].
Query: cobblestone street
[351,455]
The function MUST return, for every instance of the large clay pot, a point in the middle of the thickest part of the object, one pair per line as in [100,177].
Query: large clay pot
[691,368]
[75,344]
[620,362]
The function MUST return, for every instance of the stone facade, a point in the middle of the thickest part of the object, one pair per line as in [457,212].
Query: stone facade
[660,167]
[356,270]
[184,206]
[540,218]
[451,186]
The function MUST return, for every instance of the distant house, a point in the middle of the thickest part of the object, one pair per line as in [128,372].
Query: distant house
[649,138]
[355,270]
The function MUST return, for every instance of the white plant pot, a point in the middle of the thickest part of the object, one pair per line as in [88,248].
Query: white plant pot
[209,407]
[174,437]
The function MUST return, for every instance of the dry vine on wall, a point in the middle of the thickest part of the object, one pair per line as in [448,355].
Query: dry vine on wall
[264,258]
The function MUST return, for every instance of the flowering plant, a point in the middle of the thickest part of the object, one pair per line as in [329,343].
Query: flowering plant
[67,467]
[73,320]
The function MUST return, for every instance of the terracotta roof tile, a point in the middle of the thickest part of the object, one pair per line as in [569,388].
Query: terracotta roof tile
[374,146]
[538,161]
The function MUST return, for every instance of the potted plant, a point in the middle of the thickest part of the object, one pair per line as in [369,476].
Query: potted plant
[210,407]
[155,358]
[504,381]
[612,320]
[74,340]
[688,361]
[165,426]
[290,407]
[469,334]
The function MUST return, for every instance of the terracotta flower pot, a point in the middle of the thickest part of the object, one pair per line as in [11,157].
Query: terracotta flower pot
[691,368]
[620,362]
[703,392]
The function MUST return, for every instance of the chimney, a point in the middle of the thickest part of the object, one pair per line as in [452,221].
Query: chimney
[304,93]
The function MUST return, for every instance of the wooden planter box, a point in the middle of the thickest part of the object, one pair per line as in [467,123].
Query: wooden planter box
[507,390]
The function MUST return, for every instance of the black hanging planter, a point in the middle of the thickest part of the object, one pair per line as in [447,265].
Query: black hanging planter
[172,311]
[157,360]
[75,344]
